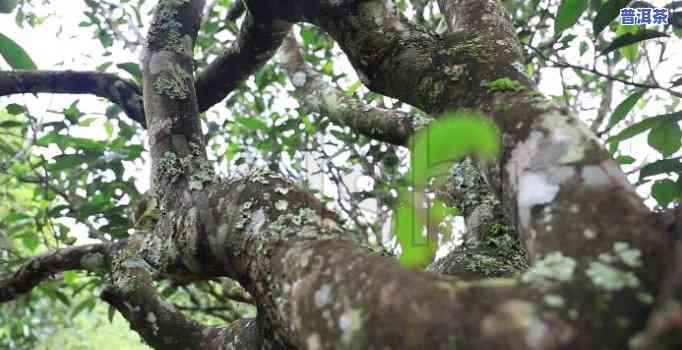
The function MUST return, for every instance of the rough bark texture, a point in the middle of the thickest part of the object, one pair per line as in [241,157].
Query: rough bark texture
[390,126]
[598,255]
[126,94]
[258,40]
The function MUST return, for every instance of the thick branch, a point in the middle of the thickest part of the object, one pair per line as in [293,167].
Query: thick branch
[578,217]
[257,42]
[390,126]
[49,264]
[158,323]
[316,288]
[133,294]
[170,100]
[234,12]
[124,93]
[396,58]
[241,334]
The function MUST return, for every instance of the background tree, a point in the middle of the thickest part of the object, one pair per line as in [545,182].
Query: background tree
[238,221]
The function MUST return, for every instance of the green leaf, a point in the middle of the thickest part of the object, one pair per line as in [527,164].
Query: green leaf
[70,277]
[15,109]
[111,313]
[630,52]
[15,56]
[11,124]
[109,128]
[632,38]
[50,138]
[328,67]
[635,129]
[664,166]
[73,113]
[82,143]
[86,122]
[134,152]
[607,13]
[7,6]
[105,38]
[67,161]
[253,123]
[132,68]
[30,241]
[53,293]
[666,138]
[353,88]
[569,12]
[308,34]
[625,160]
[625,107]
[88,303]
[104,66]
[665,192]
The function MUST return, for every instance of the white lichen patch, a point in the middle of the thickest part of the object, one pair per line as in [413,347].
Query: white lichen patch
[298,79]
[510,316]
[151,319]
[257,221]
[554,300]
[455,71]
[174,83]
[645,298]
[93,262]
[589,233]
[350,322]
[536,189]
[304,257]
[330,100]
[202,173]
[606,274]
[555,267]
[539,188]
[282,190]
[160,61]
[536,334]
[571,133]
[610,278]
[313,342]
[631,257]
[323,295]
[281,205]
[595,176]
[169,166]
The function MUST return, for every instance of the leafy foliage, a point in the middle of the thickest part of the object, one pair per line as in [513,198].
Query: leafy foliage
[630,65]
[14,54]
[568,14]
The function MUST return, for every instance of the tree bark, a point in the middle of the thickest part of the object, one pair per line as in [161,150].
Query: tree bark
[598,254]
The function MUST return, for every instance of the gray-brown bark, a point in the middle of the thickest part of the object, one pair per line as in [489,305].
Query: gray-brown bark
[598,259]
[258,40]
[124,93]
[380,124]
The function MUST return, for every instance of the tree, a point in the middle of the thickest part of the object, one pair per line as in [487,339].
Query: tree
[604,268]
